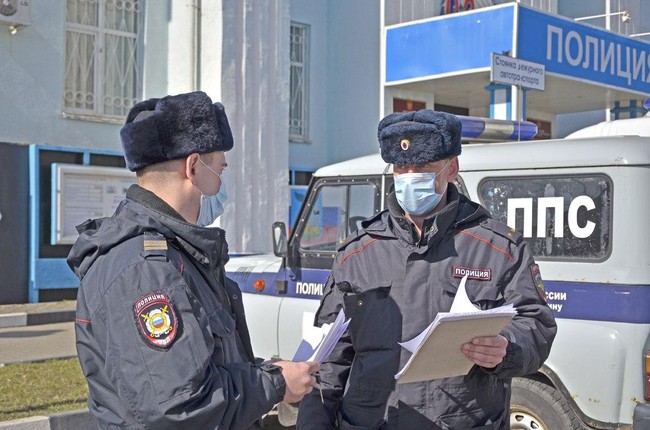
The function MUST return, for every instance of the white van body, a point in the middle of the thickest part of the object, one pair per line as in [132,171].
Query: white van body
[582,203]
[619,127]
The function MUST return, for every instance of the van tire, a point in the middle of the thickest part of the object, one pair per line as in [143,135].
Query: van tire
[536,405]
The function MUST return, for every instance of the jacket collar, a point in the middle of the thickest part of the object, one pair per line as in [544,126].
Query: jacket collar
[206,244]
[458,210]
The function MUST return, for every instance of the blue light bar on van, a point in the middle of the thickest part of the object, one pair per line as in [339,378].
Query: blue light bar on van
[495,130]
[646,103]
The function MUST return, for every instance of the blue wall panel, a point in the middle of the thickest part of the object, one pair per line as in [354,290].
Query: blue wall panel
[448,44]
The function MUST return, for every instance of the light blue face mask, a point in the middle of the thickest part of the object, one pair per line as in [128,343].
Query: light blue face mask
[416,192]
[212,206]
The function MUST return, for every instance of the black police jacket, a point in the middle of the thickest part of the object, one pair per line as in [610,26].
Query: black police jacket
[160,331]
[392,284]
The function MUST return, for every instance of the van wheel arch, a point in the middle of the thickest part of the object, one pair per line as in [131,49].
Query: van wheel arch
[537,404]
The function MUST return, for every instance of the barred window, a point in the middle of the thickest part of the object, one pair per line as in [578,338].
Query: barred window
[103,65]
[299,100]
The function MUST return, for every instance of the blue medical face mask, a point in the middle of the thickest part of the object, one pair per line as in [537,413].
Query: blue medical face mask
[416,192]
[211,206]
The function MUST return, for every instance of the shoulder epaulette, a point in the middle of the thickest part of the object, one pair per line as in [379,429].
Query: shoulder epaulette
[358,234]
[154,246]
[352,237]
[502,230]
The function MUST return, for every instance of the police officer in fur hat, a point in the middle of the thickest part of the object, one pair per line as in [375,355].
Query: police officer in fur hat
[161,334]
[404,266]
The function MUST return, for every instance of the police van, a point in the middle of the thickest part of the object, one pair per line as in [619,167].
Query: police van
[582,203]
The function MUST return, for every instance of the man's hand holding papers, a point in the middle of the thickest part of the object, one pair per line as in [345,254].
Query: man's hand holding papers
[332,334]
[456,340]
[486,351]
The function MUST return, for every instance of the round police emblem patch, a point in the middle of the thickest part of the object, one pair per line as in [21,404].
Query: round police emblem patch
[537,281]
[156,319]
[405,144]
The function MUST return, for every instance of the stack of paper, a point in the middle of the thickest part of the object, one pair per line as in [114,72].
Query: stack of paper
[436,352]
[332,334]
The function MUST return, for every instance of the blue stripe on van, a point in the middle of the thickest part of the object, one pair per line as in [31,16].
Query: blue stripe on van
[303,283]
[599,302]
[570,300]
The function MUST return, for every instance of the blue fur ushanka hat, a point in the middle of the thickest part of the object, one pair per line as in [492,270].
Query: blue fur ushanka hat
[419,137]
[174,127]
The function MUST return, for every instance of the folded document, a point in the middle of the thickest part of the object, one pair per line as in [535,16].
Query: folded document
[332,334]
[436,352]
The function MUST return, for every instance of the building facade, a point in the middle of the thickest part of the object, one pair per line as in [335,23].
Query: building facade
[304,83]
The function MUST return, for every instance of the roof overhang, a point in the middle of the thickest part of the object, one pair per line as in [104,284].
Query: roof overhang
[587,67]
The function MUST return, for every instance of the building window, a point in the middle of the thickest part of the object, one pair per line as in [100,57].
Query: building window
[299,96]
[103,65]
[407,105]
[543,129]
[456,110]
[300,177]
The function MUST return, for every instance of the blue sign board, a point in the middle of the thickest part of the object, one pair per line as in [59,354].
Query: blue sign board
[448,44]
[465,41]
[584,52]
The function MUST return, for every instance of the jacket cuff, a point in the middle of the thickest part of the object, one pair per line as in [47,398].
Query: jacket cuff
[509,367]
[275,378]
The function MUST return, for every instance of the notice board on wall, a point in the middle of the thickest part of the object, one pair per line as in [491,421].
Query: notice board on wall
[82,192]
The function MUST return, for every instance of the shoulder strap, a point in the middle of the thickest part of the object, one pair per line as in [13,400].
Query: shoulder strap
[502,230]
[154,246]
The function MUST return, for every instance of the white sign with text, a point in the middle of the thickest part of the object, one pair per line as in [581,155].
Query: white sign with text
[512,71]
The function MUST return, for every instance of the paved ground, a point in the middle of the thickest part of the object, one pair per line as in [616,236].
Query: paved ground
[37,342]
[36,313]
[36,331]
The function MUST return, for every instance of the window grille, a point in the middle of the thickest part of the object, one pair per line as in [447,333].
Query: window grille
[102,69]
[299,100]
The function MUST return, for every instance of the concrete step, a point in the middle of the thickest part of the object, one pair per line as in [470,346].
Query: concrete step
[19,315]
[80,419]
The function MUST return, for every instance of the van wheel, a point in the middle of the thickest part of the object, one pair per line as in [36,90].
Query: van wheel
[535,405]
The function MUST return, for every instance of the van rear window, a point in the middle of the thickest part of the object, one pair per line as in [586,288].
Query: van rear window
[561,217]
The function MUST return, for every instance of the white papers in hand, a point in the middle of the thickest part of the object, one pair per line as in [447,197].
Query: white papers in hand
[462,303]
[436,351]
[331,335]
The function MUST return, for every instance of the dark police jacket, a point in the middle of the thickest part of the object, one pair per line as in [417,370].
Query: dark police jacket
[161,334]
[392,284]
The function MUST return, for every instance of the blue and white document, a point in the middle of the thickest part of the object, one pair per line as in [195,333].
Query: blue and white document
[330,336]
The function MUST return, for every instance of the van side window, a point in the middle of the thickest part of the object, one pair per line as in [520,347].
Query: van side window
[335,212]
[561,217]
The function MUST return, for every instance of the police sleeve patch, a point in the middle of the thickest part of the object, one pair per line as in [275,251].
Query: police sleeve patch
[537,281]
[156,320]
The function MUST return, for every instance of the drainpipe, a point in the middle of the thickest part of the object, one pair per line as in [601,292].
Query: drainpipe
[196,44]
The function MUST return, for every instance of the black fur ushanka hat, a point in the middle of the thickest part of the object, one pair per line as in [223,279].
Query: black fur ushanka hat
[174,127]
[419,137]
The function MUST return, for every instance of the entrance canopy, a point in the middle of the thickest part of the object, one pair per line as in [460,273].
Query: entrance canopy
[587,67]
